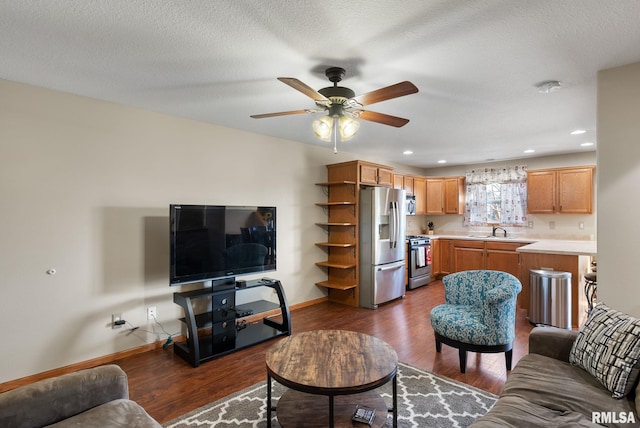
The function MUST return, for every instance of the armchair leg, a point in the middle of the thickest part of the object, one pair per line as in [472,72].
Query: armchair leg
[463,360]
[508,356]
[438,346]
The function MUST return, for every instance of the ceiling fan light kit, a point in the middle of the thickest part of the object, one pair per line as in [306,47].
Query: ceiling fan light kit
[343,107]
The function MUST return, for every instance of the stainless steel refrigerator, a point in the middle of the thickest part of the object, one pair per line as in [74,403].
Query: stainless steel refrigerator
[382,245]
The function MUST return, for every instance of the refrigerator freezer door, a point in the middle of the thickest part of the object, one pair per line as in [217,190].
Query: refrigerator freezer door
[381,284]
[382,227]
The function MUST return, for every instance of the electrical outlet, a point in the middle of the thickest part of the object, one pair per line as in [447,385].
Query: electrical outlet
[530,224]
[115,318]
[581,225]
[151,313]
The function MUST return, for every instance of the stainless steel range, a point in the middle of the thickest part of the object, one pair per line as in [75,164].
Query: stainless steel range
[419,261]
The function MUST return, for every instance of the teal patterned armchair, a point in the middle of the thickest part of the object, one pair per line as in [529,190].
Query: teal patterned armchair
[479,314]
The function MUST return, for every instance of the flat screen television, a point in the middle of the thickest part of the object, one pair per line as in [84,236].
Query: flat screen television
[211,242]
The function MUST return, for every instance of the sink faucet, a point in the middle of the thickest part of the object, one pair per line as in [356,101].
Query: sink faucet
[501,228]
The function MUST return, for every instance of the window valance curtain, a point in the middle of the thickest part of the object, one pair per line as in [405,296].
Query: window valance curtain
[508,174]
[482,206]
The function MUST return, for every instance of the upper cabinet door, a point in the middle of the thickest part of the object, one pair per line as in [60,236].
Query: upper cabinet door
[562,190]
[541,194]
[454,195]
[435,196]
[575,191]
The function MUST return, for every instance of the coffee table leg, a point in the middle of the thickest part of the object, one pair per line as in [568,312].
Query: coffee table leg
[395,401]
[268,400]
[331,411]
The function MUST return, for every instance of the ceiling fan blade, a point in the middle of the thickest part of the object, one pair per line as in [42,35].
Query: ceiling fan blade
[384,119]
[304,88]
[281,113]
[394,91]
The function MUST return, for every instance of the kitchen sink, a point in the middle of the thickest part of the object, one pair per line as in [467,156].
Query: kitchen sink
[491,237]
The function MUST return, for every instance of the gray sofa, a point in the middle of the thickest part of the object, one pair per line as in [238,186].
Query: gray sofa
[544,390]
[96,397]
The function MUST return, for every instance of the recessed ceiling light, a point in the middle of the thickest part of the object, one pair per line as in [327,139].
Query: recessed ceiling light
[442,161]
[578,132]
[587,144]
[529,151]
[407,152]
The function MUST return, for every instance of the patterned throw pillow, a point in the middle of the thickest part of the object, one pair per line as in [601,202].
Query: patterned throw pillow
[608,347]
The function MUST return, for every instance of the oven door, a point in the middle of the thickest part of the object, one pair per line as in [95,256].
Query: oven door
[419,266]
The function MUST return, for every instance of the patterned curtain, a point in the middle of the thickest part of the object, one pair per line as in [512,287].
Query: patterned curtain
[513,195]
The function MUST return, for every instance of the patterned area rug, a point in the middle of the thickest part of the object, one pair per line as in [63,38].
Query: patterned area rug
[424,400]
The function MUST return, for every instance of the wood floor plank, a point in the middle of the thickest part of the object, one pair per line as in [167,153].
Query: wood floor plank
[167,387]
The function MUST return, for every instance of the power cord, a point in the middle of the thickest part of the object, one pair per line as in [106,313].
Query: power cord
[169,340]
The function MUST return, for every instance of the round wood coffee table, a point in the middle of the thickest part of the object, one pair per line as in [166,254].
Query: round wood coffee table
[343,365]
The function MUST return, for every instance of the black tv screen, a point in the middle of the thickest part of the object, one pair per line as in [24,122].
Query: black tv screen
[211,242]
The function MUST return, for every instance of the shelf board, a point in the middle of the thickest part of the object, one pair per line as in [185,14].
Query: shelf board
[335,204]
[335,183]
[334,244]
[251,335]
[336,265]
[335,224]
[327,284]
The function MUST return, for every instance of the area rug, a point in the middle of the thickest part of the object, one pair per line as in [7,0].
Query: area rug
[424,400]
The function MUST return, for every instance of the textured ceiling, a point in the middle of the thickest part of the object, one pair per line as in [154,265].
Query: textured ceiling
[475,63]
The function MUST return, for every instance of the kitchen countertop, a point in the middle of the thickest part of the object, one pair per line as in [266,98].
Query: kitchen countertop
[536,245]
[563,247]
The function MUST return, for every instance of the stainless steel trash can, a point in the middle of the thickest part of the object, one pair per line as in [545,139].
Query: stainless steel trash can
[550,298]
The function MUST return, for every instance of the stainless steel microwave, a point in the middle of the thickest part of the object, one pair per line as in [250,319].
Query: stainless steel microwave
[411,205]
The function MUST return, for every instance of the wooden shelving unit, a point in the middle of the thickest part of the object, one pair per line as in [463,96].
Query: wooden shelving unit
[342,226]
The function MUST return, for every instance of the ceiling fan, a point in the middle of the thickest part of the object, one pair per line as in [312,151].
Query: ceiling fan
[343,107]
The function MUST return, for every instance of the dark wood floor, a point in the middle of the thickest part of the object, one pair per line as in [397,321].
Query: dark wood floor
[167,387]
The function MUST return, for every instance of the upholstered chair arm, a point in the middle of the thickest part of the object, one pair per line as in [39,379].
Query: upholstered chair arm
[499,312]
[499,294]
[51,400]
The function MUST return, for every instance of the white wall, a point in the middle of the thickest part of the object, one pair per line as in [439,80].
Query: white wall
[618,183]
[85,187]
[552,226]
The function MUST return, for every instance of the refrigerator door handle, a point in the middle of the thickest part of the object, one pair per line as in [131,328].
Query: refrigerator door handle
[393,224]
[397,224]
[381,268]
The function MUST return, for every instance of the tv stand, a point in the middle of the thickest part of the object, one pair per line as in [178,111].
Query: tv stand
[228,327]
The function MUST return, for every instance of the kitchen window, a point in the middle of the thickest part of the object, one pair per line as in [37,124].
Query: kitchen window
[496,196]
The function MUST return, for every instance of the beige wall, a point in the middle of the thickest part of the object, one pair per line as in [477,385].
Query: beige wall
[618,183]
[85,188]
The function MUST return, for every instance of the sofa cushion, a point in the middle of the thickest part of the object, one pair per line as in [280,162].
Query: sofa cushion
[608,347]
[116,413]
[517,412]
[564,389]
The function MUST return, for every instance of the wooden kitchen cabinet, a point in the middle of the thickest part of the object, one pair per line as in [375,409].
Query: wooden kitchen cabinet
[560,191]
[435,195]
[445,195]
[376,175]
[420,192]
[492,255]
[398,181]
[502,256]
[442,257]
[454,195]
[408,185]
[468,255]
